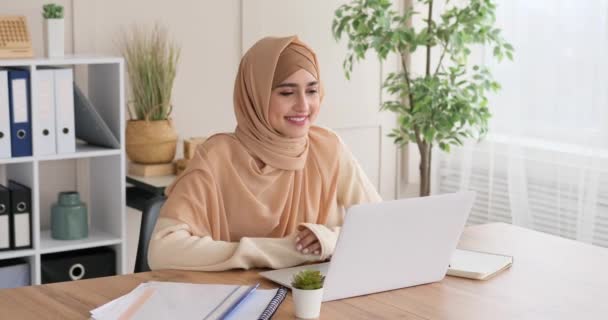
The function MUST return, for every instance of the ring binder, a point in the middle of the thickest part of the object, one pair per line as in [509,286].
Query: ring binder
[64,111]
[5,120]
[21,215]
[44,136]
[5,218]
[20,115]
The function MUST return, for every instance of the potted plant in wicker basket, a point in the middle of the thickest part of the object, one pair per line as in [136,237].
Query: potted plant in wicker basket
[307,293]
[151,59]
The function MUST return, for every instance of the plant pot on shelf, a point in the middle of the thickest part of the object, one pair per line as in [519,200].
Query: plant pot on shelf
[307,303]
[151,142]
[54,37]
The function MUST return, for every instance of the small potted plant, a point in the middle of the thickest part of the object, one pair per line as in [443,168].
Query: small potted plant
[53,30]
[307,293]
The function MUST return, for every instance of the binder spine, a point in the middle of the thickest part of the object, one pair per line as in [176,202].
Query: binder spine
[5,221]
[20,110]
[64,111]
[44,116]
[21,204]
[5,119]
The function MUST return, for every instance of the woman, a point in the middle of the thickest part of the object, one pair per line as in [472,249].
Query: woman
[271,194]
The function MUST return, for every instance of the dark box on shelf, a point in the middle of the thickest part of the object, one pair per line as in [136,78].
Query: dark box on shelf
[78,264]
[14,273]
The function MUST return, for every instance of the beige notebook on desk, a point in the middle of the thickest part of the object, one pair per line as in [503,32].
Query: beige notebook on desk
[477,265]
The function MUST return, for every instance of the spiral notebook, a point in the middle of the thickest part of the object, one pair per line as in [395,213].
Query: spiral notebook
[174,300]
[478,265]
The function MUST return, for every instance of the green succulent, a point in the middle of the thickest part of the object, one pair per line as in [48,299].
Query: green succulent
[308,280]
[52,11]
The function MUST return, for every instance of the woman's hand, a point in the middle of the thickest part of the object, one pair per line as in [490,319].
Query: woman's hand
[307,242]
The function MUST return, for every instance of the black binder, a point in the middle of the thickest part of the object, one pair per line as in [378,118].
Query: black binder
[21,210]
[6,233]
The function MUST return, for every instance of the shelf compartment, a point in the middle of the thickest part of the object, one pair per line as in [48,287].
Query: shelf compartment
[96,238]
[83,151]
[16,254]
[99,182]
[16,160]
[66,60]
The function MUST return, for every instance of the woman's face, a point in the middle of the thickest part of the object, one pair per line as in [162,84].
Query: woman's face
[294,104]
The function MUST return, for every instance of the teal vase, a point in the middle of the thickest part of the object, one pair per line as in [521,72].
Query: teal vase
[69,218]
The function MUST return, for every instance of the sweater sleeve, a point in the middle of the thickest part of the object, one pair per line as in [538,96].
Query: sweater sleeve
[354,187]
[173,246]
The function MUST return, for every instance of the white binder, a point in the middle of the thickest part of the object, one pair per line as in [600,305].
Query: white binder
[5,213]
[5,235]
[5,119]
[45,136]
[64,111]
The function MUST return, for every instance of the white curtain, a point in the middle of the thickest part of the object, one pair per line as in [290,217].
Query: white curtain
[544,164]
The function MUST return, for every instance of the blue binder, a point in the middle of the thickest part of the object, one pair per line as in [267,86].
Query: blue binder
[20,112]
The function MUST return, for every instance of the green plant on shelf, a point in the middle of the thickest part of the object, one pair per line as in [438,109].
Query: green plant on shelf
[52,11]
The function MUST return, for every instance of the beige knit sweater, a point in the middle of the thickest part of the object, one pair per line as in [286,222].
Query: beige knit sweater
[173,246]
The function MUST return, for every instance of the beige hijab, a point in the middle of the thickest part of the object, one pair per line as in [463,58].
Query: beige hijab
[226,193]
[265,65]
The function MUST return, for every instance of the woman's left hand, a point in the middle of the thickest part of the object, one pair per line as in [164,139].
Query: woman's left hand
[307,242]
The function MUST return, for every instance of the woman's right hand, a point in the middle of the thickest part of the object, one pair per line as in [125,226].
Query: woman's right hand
[307,242]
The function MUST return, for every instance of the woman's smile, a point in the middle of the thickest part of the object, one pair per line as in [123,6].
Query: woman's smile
[299,120]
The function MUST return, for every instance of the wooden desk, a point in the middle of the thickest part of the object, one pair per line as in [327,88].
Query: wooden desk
[551,278]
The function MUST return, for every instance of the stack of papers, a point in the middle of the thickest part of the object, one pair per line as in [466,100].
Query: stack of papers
[173,300]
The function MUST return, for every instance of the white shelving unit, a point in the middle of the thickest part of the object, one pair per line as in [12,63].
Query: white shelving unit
[97,173]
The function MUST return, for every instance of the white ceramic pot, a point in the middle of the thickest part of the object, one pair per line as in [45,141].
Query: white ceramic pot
[54,37]
[307,303]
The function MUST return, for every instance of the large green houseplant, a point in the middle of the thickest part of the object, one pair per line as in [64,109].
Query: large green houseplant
[445,104]
[151,58]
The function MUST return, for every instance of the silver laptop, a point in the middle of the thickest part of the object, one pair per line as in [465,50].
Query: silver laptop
[391,245]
